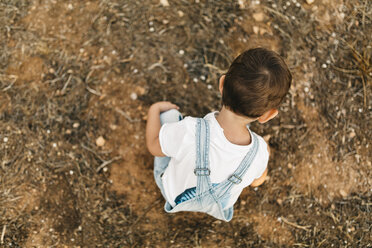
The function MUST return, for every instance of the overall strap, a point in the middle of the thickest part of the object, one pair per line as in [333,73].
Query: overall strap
[202,170]
[236,178]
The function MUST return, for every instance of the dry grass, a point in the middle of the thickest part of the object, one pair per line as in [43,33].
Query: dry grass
[67,74]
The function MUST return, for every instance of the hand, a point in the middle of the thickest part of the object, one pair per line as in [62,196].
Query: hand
[164,106]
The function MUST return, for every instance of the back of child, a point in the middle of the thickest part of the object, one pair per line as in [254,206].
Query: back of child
[203,164]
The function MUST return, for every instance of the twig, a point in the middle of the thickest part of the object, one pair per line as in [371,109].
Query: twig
[277,13]
[215,68]
[105,163]
[295,225]
[364,90]
[3,234]
[66,84]
[93,91]
[126,115]
[144,213]
[344,70]
[92,151]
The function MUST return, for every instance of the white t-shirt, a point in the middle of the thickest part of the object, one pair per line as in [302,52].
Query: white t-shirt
[177,141]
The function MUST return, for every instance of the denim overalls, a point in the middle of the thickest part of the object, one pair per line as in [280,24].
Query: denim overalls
[205,197]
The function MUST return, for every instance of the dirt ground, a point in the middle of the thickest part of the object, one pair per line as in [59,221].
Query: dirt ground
[77,77]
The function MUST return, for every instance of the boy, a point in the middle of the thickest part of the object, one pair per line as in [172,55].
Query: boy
[204,164]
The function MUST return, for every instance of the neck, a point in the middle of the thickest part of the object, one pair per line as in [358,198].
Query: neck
[227,117]
[234,126]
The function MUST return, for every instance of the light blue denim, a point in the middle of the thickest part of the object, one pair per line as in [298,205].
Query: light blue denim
[206,197]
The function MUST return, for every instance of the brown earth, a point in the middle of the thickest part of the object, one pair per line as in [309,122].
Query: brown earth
[77,78]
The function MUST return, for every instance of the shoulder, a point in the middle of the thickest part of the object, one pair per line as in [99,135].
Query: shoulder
[263,148]
[186,125]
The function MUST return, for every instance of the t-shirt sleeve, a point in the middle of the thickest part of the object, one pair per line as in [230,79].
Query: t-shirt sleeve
[172,135]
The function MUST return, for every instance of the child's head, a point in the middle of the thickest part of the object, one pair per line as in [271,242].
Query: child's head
[256,82]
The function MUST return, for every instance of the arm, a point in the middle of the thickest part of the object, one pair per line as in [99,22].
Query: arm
[153,126]
[261,180]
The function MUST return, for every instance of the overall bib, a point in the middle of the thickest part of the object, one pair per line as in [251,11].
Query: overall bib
[205,197]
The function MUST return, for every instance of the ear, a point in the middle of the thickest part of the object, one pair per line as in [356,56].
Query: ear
[268,115]
[222,81]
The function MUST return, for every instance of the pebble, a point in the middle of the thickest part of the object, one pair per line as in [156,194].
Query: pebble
[352,135]
[5,139]
[182,52]
[100,141]
[76,125]
[343,193]
[258,16]
[310,1]
[133,96]
[256,29]
[180,13]
[165,3]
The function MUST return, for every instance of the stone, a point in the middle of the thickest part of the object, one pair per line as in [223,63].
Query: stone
[100,141]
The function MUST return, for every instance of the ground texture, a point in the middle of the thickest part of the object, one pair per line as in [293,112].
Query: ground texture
[77,77]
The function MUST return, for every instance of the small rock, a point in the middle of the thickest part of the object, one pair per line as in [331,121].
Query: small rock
[279,201]
[256,29]
[113,126]
[165,3]
[352,135]
[133,96]
[5,139]
[180,13]
[140,90]
[289,166]
[262,31]
[100,141]
[343,193]
[76,125]
[310,1]
[258,16]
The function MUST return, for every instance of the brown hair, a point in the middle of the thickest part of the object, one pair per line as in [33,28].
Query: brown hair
[257,81]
